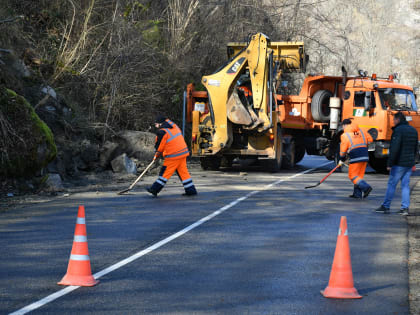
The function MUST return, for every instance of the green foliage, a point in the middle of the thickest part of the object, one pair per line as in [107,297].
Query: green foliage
[151,34]
[66,69]
[137,8]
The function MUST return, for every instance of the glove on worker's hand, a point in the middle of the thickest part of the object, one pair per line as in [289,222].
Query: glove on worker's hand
[340,163]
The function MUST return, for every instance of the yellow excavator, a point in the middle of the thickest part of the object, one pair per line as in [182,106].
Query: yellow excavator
[237,115]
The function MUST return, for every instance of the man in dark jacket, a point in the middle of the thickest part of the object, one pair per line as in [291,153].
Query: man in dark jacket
[402,157]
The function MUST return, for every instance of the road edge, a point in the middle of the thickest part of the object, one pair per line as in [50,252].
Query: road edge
[413,222]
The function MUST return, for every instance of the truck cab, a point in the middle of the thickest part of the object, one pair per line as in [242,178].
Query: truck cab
[313,117]
[372,103]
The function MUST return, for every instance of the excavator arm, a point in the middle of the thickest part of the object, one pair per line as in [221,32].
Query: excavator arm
[226,105]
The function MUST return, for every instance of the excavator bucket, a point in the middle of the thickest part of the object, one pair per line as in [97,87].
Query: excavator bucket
[241,115]
[236,111]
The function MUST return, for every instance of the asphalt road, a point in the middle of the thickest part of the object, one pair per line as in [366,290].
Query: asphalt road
[269,252]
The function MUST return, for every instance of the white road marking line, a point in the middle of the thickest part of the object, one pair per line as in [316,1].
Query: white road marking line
[155,246]
[45,300]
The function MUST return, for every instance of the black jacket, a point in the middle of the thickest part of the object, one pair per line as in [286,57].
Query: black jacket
[404,145]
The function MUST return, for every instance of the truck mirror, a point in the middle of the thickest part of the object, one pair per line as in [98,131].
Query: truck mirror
[368,100]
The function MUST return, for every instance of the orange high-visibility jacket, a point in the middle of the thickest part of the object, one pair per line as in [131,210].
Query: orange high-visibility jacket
[246,90]
[354,142]
[171,144]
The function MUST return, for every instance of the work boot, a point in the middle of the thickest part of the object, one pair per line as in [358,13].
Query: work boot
[190,191]
[189,194]
[150,190]
[404,212]
[367,192]
[357,192]
[382,209]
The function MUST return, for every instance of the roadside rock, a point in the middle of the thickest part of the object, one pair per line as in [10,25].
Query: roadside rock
[122,164]
[54,183]
[108,152]
[13,70]
[27,143]
[89,153]
[137,144]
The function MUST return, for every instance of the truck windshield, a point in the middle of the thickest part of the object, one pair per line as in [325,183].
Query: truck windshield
[397,99]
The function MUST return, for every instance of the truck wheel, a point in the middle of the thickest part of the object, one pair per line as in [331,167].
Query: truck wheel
[211,163]
[289,157]
[227,161]
[275,164]
[320,106]
[378,164]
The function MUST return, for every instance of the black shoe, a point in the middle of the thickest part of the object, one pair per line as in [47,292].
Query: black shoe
[367,192]
[189,194]
[154,193]
[354,196]
[404,212]
[382,209]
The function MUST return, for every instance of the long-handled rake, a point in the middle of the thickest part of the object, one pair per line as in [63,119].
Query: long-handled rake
[326,176]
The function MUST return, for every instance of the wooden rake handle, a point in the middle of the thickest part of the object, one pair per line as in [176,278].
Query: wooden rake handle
[138,178]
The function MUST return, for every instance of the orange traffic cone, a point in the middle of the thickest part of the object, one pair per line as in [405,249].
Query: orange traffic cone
[78,271]
[341,284]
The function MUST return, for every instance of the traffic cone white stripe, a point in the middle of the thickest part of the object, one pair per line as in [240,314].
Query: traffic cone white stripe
[79,257]
[80,238]
[345,232]
[81,221]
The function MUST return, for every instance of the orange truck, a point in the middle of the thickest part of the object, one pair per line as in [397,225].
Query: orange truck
[242,113]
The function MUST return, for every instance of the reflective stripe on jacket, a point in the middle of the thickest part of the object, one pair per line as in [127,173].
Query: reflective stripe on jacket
[355,143]
[172,145]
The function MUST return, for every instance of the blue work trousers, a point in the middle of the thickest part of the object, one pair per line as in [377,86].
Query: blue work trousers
[396,174]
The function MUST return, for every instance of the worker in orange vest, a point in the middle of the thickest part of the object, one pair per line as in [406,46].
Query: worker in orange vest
[171,145]
[247,93]
[354,143]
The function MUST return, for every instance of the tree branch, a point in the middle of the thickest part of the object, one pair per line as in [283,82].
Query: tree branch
[12,19]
